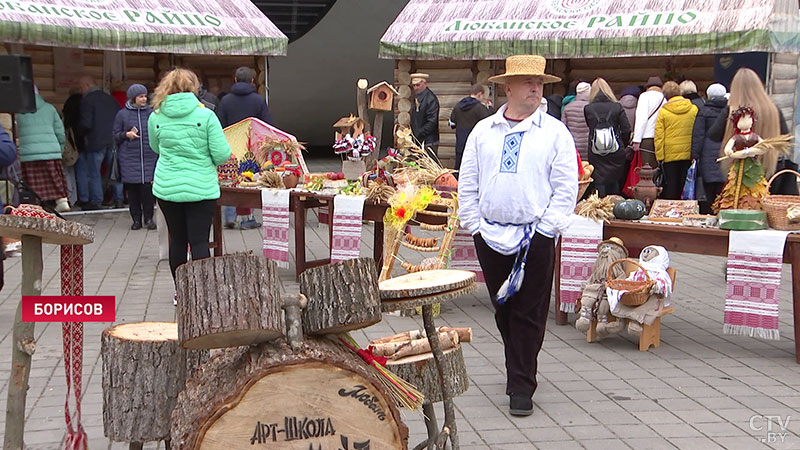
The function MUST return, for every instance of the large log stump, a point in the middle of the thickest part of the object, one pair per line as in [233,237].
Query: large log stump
[421,371]
[144,368]
[342,296]
[227,301]
[320,396]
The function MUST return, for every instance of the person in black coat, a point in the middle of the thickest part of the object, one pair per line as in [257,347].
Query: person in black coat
[604,111]
[137,161]
[705,150]
[97,112]
[243,102]
[425,113]
[467,112]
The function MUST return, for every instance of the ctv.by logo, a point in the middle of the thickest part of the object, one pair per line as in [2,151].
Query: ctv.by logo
[572,7]
[776,426]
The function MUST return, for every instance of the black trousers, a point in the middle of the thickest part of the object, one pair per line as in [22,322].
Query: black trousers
[140,201]
[712,191]
[187,223]
[522,318]
[674,178]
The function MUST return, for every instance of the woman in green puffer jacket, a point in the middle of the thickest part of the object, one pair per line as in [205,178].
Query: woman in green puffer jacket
[189,141]
[41,141]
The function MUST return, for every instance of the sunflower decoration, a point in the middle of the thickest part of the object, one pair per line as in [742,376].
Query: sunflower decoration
[406,203]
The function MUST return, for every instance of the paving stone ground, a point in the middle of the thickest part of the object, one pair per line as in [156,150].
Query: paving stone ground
[700,390]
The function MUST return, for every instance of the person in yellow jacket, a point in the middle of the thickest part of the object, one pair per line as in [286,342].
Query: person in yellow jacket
[673,139]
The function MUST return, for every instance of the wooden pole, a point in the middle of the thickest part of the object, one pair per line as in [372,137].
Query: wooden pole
[361,101]
[377,131]
[23,346]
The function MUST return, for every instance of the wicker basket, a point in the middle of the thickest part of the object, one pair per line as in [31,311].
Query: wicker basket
[777,205]
[637,291]
[582,186]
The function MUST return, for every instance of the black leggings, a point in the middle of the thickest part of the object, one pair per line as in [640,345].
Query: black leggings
[140,199]
[674,179]
[187,223]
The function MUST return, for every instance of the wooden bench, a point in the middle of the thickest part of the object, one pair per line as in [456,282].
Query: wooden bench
[651,334]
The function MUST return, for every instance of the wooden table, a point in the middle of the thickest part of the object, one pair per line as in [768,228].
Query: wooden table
[299,203]
[683,239]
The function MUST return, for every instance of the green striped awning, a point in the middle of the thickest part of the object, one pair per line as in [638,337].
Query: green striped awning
[224,27]
[489,29]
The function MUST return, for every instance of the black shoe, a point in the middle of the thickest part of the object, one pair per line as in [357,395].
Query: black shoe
[520,405]
[136,226]
[90,207]
[150,225]
[118,205]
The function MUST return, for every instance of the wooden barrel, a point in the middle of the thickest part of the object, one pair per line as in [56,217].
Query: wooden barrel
[268,396]
[144,368]
[227,301]
[342,296]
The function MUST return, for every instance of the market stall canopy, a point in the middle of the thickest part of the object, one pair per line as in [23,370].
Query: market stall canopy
[491,29]
[224,27]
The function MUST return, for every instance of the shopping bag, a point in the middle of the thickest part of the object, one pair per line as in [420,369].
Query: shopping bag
[114,174]
[633,175]
[689,185]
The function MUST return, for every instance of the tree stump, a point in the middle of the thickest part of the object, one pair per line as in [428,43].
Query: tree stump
[420,370]
[227,301]
[342,296]
[268,396]
[144,368]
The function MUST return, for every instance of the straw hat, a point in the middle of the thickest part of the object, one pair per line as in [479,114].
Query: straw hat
[615,241]
[525,65]
[417,77]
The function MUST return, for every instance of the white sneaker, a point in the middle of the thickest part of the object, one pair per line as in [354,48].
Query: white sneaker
[62,205]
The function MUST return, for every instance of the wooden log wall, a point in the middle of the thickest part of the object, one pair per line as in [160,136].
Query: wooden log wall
[217,72]
[140,68]
[782,86]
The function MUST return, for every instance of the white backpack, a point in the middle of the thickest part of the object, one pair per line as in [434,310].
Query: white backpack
[605,139]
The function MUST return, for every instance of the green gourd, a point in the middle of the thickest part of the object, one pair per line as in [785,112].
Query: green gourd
[629,210]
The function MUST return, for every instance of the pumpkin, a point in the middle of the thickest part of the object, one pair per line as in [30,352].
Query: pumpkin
[629,210]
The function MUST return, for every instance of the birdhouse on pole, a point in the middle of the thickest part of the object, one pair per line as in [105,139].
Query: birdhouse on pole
[381,96]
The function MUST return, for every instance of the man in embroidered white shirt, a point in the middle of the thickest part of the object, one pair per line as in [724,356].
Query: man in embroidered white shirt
[517,189]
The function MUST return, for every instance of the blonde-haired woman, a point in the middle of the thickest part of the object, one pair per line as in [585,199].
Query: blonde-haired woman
[190,143]
[609,133]
[748,90]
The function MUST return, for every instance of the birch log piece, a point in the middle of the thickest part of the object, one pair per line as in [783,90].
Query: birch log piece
[341,297]
[402,349]
[464,335]
[144,368]
[228,301]
[420,370]
[268,396]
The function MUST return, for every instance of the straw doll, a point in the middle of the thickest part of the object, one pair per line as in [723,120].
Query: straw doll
[747,184]
[593,298]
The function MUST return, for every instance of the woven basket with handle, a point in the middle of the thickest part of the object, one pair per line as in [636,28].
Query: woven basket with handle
[637,291]
[776,206]
[582,186]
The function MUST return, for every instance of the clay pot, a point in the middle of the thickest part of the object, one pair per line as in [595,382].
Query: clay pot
[645,190]
[446,179]
[290,181]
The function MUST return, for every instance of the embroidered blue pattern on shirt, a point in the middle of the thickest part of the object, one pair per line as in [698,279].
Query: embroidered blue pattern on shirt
[511,147]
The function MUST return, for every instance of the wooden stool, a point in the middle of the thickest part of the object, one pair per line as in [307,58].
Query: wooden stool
[651,334]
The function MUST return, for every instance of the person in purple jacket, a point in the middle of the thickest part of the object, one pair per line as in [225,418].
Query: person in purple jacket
[137,162]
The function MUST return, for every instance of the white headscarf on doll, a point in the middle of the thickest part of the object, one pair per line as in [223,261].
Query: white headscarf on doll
[656,267]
